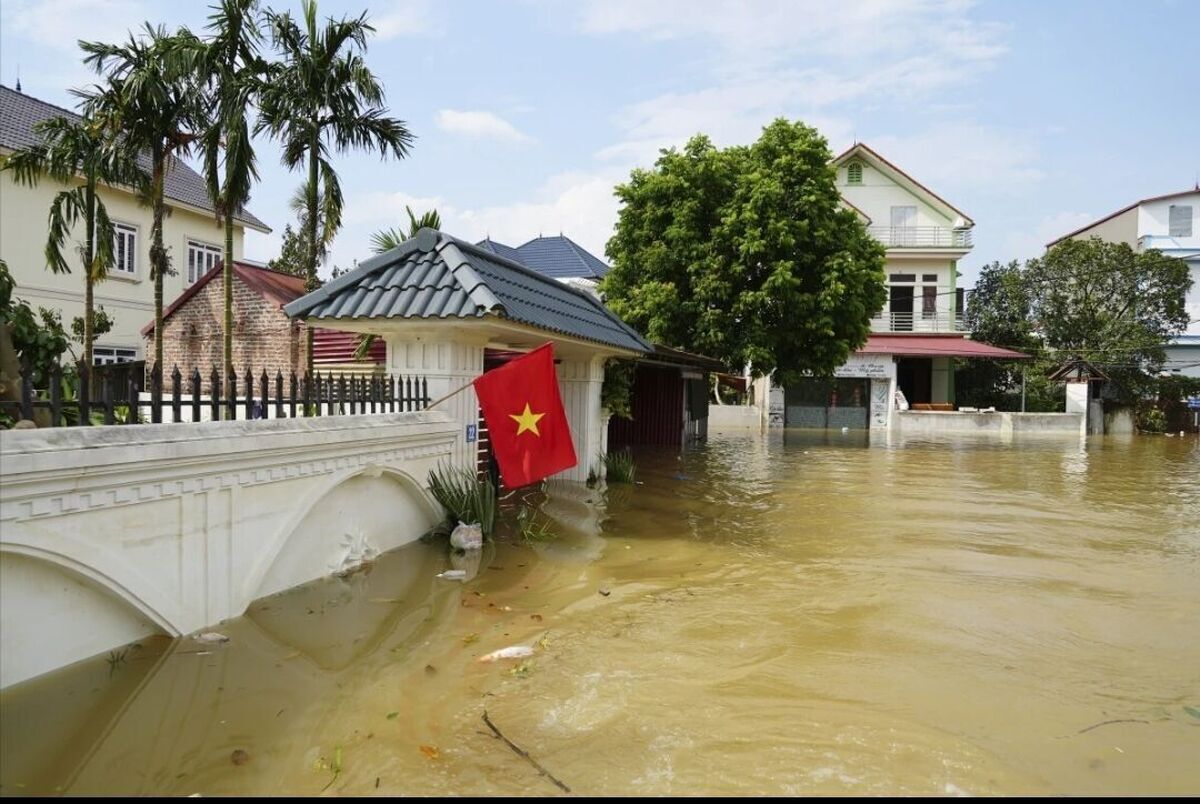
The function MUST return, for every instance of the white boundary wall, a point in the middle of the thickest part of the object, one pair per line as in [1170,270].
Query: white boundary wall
[111,533]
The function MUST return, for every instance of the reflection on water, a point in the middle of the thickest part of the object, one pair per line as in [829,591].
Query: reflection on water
[805,613]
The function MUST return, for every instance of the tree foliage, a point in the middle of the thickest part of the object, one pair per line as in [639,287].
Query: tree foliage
[1086,299]
[320,99]
[388,239]
[151,99]
[292,251]
[746,254]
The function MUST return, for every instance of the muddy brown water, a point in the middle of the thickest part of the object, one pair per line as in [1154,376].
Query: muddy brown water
[810,614]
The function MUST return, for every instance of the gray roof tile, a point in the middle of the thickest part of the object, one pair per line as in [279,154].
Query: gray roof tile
[19,113]
[435,275]
[562,258]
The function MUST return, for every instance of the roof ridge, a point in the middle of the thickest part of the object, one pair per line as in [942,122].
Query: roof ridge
[902,172]
[460,268]
[579,252]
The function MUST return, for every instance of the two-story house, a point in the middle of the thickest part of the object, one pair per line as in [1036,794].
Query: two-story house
[192,235]
[1171,224]
[919,334]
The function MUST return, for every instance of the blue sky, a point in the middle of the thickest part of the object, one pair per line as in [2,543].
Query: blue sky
[1033,117]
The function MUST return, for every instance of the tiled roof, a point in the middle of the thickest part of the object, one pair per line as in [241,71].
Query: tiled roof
[272,285]
[507,252]
[19,113]
[434,275]
[561,257]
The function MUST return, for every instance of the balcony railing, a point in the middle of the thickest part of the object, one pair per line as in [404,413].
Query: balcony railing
[940,321]
[921,236]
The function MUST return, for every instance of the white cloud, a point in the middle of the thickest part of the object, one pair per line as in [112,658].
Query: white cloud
[60,24]
[966,159]
[1026,243]
[479,125]
[578,204]
[401,18]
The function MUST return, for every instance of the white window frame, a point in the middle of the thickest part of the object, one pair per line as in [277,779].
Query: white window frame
[208,255]
[854,173]
[129,233]
[107,355]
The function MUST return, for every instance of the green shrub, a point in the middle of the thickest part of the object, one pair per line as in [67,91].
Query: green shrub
[619,466]
[530,528]
[465,497]
[1152,420]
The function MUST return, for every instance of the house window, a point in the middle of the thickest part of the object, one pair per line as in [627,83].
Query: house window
[104,355]
[929,301]
[200,260]
[902,277]
[854,173]
[124,249]
[1179,222]
[928,277]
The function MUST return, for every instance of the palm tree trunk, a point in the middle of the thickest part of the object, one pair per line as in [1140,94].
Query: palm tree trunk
[311,283]
[158,254]
[89,277]
[227,280]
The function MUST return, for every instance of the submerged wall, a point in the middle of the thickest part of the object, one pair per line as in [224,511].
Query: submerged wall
[111,533]
[921,422]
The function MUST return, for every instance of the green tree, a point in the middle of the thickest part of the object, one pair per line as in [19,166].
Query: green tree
[999,312]
[746,254]
[152,97]
[388,239]
[291,253]
[1108,304]
[232,71]
[82,155]
[322,98]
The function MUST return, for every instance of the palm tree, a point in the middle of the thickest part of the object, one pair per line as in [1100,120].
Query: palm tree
[70,150]
[320,98]
[388,239]
[233,72]
[152,94]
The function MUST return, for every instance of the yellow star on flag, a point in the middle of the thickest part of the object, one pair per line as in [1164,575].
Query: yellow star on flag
[527,420]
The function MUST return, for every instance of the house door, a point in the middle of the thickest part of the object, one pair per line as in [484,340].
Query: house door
[914,375]
[902,308]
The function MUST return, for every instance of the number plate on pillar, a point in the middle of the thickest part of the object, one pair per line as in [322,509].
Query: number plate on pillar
[472,430]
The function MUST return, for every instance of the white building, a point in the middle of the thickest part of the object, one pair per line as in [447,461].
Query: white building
[191,233]
[1171,224]
[919,333]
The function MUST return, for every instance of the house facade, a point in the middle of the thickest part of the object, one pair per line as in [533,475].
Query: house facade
[191,234]
[264,338]
[916,338]
[1171,224]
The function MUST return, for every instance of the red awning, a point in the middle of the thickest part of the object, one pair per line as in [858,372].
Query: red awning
[935,346]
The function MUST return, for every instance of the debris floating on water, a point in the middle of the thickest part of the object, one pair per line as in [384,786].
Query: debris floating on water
[467,537]
[239,757]
[211,638]
[453,575]
[513,652]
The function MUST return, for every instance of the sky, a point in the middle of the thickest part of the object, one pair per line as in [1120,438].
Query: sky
[1033,117]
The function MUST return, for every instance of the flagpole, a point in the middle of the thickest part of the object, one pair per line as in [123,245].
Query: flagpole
[455,392]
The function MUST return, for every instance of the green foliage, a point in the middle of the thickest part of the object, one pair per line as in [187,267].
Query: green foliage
[465,497]
[1152,420]
[291,253]
[616,393]
[388,239]
[619,466]
[1102,302]
[531,527]
[746,254]
[102,323]
[37,337]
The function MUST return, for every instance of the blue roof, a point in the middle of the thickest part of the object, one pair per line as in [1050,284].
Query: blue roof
[562,258]
[434,275]
[507,252]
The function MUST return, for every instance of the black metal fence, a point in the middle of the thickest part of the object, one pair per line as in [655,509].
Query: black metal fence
[68,398]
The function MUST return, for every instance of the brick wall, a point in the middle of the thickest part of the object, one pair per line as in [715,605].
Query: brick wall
[263,336]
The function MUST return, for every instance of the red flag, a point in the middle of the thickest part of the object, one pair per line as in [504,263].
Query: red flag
[526,421]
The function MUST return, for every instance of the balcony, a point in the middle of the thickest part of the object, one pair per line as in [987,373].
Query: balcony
[941,321]
[921,236]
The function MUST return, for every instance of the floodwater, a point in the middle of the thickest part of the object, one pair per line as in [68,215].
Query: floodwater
[799,615]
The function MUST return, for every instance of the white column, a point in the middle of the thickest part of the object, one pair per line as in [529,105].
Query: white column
[1077,402]
[446,365]
[579,383]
